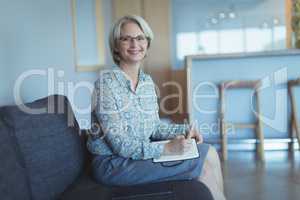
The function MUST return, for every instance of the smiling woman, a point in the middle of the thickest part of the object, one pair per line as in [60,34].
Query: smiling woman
[88,34]
[127,110]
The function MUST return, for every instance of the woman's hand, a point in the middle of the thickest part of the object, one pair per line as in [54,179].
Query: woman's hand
[178,145]
[194,133]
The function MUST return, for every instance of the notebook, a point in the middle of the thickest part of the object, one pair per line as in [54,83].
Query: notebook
[190,154]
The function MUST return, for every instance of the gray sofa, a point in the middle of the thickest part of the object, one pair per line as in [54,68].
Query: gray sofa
[43,156]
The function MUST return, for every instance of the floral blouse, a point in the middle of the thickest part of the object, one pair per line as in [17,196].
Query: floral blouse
[129,119]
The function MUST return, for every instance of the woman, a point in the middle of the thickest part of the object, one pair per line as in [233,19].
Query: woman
[127,110]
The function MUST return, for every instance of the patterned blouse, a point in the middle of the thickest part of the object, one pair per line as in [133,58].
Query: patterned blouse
[129,119]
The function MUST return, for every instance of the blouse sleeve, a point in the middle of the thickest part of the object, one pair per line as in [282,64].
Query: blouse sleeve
[117,133]
[166,130]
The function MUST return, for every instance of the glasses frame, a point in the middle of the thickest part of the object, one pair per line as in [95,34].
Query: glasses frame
[129,39]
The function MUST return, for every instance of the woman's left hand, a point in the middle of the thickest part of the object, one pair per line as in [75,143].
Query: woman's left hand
[195,134]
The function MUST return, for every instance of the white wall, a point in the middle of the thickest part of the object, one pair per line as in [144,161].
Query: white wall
[37,35]
[3,72]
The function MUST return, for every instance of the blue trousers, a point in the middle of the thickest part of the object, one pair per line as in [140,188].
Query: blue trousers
[114,170]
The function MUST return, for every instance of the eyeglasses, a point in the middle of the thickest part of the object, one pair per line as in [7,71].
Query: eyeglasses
[128,39]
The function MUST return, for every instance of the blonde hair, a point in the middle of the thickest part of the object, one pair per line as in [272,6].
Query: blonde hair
[115,33]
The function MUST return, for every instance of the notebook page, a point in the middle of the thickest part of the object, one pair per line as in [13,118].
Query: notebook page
[190,154]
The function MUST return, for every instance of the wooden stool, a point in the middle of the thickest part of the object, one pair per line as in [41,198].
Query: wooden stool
[294,123]
[257,125]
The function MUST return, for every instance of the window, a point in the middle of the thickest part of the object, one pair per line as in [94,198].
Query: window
[230,41]
[88,34]
[218,27]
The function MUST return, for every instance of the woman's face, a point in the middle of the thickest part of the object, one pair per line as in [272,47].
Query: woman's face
[132,45]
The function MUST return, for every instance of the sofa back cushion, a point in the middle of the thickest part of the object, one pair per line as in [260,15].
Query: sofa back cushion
[52,148]
[13,180]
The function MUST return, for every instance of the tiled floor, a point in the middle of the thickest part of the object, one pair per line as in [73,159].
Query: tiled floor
[278,178]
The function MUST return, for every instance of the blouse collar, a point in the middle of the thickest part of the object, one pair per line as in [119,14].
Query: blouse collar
[122,77]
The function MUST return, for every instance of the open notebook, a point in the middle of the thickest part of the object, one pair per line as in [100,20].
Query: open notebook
[191,153]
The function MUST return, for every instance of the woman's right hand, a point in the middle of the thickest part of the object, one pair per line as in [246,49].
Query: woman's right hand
[178,145]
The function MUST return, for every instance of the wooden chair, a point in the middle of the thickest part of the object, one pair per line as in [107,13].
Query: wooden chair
[294,123]
[239,84]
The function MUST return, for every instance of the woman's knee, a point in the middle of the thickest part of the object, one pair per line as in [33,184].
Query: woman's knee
[213,150]
[212,155]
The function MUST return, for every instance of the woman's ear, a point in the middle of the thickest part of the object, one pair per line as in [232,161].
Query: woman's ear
[116,49]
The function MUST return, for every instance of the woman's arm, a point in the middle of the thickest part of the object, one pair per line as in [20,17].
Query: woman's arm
[166,130]
[118,135]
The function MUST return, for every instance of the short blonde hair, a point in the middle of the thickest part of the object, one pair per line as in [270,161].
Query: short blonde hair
[115,33]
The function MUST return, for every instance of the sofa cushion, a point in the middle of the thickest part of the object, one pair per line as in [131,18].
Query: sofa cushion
[172,190]
[13,180]
[53,151]
[86,188]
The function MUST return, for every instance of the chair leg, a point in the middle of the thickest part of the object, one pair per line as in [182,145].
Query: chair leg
[260,146]
[297,132]
[292,125]
[224,141]
[223,133]
[260,135]
[292,135]
[295,123]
